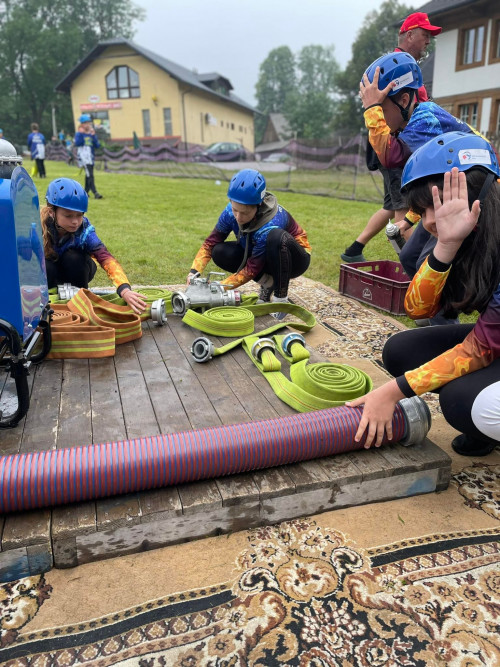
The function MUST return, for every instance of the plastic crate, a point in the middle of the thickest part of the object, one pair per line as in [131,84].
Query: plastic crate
[382,284]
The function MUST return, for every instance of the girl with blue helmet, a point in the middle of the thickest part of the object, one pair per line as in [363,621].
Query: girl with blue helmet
[452,181]
[71,245]
[270,247]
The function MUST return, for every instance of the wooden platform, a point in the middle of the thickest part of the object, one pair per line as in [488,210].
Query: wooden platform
[152,386]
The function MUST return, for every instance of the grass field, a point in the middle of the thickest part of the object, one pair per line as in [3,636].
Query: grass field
[155,225]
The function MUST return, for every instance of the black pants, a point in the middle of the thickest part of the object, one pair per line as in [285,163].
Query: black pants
[89,179]
[410,349]
[285,259]
[40,165]
[74,266]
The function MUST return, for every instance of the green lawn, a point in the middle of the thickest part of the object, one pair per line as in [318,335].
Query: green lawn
[155,225]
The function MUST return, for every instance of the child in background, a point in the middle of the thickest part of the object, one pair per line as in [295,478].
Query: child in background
[86,142]
[36,144]
[70,243]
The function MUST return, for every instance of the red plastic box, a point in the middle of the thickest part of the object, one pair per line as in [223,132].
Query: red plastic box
[381,284]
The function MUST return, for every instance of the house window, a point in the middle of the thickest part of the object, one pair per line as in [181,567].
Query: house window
[468,113]
[167,121]
[146,122]
[232,126]
[122,82]
[472,45]
[495,41]
[222,123]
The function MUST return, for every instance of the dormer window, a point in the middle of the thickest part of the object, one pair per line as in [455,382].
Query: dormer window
[122,82]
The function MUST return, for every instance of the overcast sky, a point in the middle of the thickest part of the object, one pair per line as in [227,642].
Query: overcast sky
[233,37]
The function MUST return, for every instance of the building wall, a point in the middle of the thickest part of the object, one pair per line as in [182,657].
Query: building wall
[449,82]
[196,117]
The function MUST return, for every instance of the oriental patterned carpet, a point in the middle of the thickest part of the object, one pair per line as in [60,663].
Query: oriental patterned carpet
[411,582]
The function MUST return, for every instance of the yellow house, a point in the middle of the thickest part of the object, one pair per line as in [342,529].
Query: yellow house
[128,89]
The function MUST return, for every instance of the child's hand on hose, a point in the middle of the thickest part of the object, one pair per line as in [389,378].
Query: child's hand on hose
[134,300]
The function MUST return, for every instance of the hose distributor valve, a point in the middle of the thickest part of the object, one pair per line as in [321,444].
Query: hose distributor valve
[204,293]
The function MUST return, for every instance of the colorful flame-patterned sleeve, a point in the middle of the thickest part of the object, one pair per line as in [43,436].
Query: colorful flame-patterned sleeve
[96,248]
[479,349]
[391,151]
[204,254]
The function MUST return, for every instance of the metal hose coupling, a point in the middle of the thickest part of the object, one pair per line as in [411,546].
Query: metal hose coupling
[290,339]
[260,345]
[204,293]
[202,349]
[158,312]
[418,420]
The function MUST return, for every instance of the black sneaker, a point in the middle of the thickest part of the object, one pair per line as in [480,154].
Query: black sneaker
[98,196]
[265,294]
[466,445]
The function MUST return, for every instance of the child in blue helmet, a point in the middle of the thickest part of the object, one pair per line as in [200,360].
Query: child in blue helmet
[36,144]
[71,245]
[398,123]
[270,247]
[452,181]
[86,142]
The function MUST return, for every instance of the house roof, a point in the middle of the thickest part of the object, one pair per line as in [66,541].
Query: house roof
[176,71]
[440,6]
[280,124]
[215,76]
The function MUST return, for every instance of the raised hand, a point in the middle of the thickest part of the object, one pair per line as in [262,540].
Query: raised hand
[454,219]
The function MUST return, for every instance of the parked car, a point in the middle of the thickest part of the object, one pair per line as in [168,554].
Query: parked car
[277,157]
[223,151]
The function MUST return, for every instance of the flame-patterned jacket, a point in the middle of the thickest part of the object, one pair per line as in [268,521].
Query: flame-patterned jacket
[479,349]
[86,240]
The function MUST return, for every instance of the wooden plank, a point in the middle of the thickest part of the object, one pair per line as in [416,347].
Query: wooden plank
[26,528]
[197,405]
[370,463]
[220,393]
[169,411]
[138,411]
[272,482]
[68,522]
[203,496]
[10,440]
[75,424]
[117,511]
[340,469]
[176,529]
[108,422]
[42,420]
[159,504]
[308,475]
[237,489]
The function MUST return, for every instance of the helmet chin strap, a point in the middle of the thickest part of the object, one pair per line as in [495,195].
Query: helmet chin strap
[405,111]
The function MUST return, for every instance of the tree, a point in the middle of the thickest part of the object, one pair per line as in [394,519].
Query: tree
[377,35]
[42,40]
[277,81]
[301,88]
[309,110]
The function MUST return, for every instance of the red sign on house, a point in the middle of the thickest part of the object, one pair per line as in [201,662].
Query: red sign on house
[99,106]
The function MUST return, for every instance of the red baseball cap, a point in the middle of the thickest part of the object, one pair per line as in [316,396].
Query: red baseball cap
[419,20]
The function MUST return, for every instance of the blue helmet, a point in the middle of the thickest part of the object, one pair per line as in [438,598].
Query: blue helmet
[67,193]
[397,66]
[463,150]
[85,118]
[248,186]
